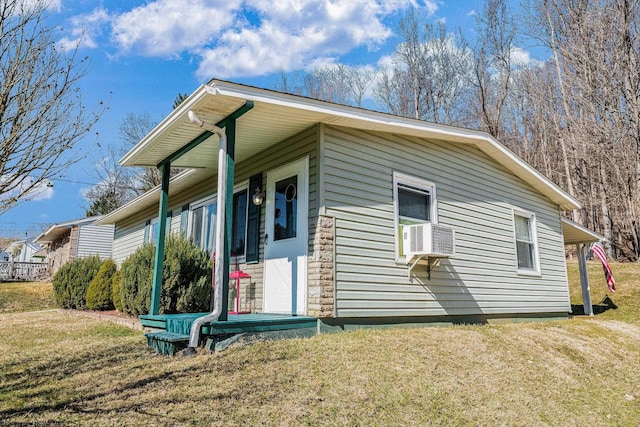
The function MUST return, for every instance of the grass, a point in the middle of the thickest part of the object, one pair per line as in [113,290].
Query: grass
[26,296]
[626,298]
[58,368]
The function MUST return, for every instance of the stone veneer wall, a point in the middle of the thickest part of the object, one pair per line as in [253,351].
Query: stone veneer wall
[73,242]
[321,298]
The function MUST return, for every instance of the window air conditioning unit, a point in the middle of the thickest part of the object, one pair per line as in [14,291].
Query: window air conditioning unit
[428,240]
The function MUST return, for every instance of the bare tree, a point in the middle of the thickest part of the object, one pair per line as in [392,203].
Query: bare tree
[430,73]
[411,56]
[116,184]
[496,32]
[131,131]
[41,112]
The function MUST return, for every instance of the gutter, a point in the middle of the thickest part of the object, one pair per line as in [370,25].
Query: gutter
[194,336]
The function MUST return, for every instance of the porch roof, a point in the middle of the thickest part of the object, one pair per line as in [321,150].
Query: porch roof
[58,230]
[276,116]
[576,233]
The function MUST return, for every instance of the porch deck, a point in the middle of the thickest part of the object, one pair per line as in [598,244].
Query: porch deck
[172,330]
[236,323]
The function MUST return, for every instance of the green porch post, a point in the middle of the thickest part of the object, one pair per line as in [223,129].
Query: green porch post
[162,230]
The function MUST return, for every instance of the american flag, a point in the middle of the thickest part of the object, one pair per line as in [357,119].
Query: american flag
[598,251]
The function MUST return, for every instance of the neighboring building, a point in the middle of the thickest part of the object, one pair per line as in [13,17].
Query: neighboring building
[79,238]
[341,185]
[23,251]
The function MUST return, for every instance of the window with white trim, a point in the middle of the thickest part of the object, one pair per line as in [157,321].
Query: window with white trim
[414,203]
[151,231]
[524,227]
[202,223]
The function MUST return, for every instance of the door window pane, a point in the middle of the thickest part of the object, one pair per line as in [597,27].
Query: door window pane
[285,208]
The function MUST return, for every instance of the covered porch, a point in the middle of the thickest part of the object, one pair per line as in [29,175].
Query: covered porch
[170,332]
[208,135]
[582,238]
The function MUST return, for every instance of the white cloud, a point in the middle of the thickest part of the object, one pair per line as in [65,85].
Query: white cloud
[294,33]
[431,6]
[41,191]
[52,5]
[168,27]
[85,29]
[386,62]
[520,57]
[235,38]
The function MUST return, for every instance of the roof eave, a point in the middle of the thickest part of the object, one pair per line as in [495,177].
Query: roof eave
[191,103]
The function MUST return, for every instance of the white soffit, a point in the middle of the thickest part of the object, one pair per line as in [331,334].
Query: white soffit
[575,233]
[181,182]
[276,116]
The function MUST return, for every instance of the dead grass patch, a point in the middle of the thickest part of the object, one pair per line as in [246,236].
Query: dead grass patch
[626,299]
[26,296]
[65,369]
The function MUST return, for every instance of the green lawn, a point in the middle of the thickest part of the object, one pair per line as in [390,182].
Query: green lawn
[58,368]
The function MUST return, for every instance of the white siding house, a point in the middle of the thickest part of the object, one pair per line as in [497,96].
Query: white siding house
[79,238]
[340,186]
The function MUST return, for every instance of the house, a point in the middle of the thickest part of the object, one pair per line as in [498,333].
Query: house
[79,238]
[23,251]
[20,261]
[326,205]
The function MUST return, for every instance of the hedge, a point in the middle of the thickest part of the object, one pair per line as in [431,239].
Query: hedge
[186,278]
[71,281]
[99,290]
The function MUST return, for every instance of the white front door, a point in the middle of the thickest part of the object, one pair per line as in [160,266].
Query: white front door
[286,228]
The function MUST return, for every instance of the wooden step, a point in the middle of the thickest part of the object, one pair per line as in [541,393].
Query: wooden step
[167,343]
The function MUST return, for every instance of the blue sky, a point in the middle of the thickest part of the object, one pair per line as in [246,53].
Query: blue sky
[143,53]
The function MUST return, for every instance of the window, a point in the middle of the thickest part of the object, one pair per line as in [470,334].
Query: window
[202,222]
[524,224]
[239,224]
[151,230]
[415,203]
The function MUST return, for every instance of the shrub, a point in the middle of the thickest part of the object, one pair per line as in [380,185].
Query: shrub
[186,278]
[71,281]
[137,274]
[116,290]
[99,290]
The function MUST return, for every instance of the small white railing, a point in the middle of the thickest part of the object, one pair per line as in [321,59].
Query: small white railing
[10,270]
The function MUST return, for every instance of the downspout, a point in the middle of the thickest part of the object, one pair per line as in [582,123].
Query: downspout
[194,337]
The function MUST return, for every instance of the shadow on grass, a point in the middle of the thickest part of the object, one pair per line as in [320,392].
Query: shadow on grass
[44,384]
[605,305]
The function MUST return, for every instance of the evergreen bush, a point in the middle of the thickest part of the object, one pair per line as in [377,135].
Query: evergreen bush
[186,278]
[71,281]
[99,290]
[116,291]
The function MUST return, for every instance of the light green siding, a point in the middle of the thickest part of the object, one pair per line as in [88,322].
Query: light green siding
[475,195]
[130,232]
